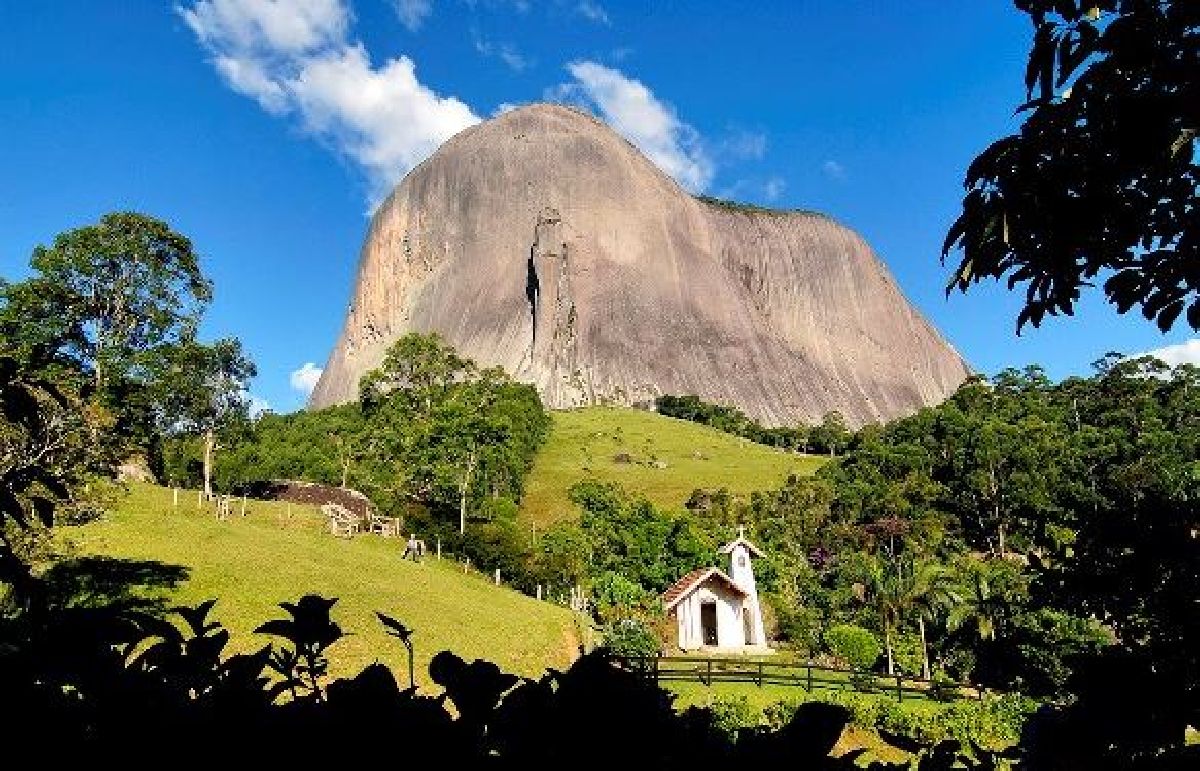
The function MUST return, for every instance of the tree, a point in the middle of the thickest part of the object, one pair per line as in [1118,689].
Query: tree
[420,368]
[45,458]
[986,594]
[207,393]
[931,595]
[831,435]
[111,298]
[1101,181]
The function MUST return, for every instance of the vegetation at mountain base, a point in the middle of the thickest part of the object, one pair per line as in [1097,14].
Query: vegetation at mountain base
[434,439]
[1100,183]
[829,436]
[648,455]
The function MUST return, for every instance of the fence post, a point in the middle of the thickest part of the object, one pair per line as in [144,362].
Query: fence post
[497,576]
[243,504]
[899,689]
[199,498]
[175,498]
[760,674]
[539,592]
[710,680]
[810,678]
[439,549]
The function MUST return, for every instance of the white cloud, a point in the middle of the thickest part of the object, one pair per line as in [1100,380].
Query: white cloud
[505,52]
[592,11]
[295,57]
[305,379]
[280,26]
[412,13]
[743,145]
[833,170]
[1187,352]
[773,188]
[634,112]
[258,405]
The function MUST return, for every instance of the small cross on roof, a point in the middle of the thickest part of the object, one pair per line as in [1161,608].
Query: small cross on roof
[744,541]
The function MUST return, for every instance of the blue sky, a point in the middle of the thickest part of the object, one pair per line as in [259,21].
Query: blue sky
[266,129]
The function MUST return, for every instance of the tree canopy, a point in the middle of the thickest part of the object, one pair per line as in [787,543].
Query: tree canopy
[1101,182]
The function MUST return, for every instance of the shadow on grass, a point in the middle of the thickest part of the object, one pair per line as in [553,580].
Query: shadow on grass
[113,583]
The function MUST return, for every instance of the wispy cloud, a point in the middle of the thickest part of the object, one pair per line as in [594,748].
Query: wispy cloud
[744,145]
[637,114]
[1187,352]
[305,378]
[765,191]
[505,52]
[773,188]
[833,170]
[297,58]
[413,13]
[592,11]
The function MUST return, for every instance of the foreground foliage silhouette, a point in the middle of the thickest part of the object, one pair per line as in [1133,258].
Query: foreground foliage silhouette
[117,682]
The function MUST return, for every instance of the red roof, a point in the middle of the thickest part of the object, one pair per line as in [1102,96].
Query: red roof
[684,586]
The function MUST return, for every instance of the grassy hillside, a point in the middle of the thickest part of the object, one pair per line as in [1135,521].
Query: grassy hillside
[252,564]
[663,458]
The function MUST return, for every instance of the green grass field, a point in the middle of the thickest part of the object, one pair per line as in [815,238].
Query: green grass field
[666,460]
[250,564]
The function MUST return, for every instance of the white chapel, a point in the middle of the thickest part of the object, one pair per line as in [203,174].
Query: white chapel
[717,611]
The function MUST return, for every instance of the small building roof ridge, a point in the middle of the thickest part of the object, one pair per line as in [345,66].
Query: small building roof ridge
[684,586]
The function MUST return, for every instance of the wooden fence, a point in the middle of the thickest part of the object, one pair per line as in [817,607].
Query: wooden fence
[808,676]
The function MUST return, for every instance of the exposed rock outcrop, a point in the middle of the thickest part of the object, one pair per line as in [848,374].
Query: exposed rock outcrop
[543,242]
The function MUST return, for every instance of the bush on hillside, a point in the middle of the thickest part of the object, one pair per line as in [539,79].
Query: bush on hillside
[630,637]
[854,645]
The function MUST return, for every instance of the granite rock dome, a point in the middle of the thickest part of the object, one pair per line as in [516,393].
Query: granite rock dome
[543,242]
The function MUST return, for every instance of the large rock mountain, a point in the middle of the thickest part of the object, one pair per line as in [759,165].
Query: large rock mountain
[543,242]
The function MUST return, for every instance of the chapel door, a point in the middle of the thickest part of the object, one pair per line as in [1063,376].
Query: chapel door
[708,622]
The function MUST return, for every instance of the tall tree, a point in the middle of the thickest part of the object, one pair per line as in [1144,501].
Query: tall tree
[1101,181]
[206,393]
[111,298]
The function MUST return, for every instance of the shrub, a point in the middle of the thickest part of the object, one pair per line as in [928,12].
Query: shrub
[731,714]
[616,596]
[856,646]
[993,723]
[630,637]
[943,688]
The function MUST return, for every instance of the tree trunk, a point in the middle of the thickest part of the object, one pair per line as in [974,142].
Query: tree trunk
[925,673]
[462,493]
[210,444]
[887,645]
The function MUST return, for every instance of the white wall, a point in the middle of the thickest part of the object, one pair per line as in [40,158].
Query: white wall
[729,617]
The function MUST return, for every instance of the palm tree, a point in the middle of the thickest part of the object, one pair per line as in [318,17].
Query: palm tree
[886,592]
[933,592]
[986,592]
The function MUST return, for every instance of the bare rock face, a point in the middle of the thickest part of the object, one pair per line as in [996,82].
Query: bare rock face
[543,242]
